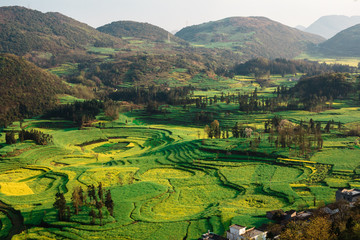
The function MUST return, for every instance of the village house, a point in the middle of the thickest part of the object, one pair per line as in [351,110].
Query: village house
[211,236]
[280,215]
[350,195]
[238,232]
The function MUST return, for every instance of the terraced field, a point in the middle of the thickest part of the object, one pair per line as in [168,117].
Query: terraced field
[166,182]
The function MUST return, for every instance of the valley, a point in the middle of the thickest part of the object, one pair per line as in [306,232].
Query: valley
[127,131]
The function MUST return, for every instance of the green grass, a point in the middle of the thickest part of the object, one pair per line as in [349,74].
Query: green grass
[167,180]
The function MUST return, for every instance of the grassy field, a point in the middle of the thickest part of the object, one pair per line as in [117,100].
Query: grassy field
[338,60]
[169,181]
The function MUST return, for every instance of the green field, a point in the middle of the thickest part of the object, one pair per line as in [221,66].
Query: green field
[167,179]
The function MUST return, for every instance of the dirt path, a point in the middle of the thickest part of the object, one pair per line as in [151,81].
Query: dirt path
[16,219]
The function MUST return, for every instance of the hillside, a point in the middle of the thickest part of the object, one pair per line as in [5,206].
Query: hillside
[47,36]
[131,29]
[25,89]
[346,43]
[250,36]
[329,26]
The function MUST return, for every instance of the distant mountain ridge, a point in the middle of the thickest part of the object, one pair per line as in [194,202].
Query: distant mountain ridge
[329,26]
[251,37]
[346,43]
[139,30]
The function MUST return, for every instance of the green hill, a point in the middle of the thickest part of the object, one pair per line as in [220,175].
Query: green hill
[345,43]
[250,36]
[40,36]
[25,89]
[126,29]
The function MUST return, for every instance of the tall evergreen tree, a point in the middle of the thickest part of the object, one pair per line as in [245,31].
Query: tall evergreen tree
[60,205]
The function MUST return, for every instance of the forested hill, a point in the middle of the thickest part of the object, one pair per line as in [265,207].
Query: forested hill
[139,30]
[24,31]
[345,43]
[25,89]
[251,36]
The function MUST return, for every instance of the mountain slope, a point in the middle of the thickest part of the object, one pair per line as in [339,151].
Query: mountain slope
[329,26]
[139,30]
[25,89]
[251,36]
[346,43]
[24,31]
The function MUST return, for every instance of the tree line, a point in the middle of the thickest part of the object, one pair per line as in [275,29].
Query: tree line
[261,66]
[39,137]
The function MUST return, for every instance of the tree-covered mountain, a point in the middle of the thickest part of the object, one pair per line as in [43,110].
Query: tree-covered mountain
[329,26]
[25,89]
[47,36]
[251,37]
[139,30]
[346,43]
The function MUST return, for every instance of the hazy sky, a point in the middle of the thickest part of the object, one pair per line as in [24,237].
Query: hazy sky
[176,14]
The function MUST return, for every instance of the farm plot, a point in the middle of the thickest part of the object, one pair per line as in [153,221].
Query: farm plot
[159,179]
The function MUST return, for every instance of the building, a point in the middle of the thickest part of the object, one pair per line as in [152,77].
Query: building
[238,232]
[280,215]
[350,195]
[211,236]
[275,215]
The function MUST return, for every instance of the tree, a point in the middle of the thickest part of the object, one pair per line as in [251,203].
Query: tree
[109,203]
[99,206]
[100,192]
[91,193]
[60,205]
[208,131]
[100,216]
[10,138]
[92,214]
[76,200]
[215,129]
[319,228]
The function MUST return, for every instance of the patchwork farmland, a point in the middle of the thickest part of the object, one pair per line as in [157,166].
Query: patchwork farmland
[167,182]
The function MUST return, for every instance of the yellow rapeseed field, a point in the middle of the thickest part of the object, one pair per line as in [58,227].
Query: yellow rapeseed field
[15,188]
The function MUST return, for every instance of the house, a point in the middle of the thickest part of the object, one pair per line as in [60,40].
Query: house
[350,195]
[275,215]
[329,211]
[280,215]
[304,215]
[290,214]
[238,232]
[211,236]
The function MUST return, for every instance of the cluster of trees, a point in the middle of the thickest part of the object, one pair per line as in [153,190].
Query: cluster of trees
[344,225]
[238,131]
[261,67]
[39,137]
[314,93]
[317,90]
[303,138]
[241,131]
[213,130]
[10,138]
[153,95]
[78,112]
[95,198]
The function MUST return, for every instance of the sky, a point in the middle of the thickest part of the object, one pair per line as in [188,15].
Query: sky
[173,15]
